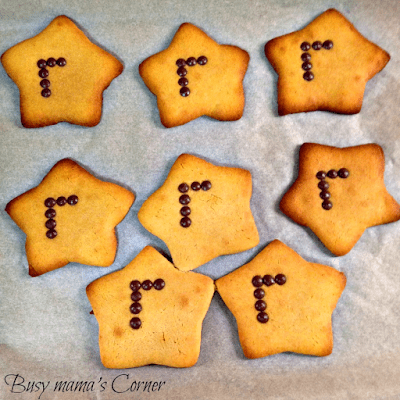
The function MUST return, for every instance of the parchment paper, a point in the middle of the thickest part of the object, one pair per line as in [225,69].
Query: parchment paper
[46,332]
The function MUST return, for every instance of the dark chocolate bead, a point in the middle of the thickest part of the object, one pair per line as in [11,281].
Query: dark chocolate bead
[306,66]
[184,92]
[262,317]
[323,185]
[186,222]
[136,308]
[51,234]
[280,279]
[308,76]
[185,211]
[260,305]
[51,62]
[328,44]
[306,57]
[135,323]
[183,187]
[159,284]
[147,284]
[325,195]
[44,83]
[257,281]
[50,202]
[206,185]
[43,73]
[61,62]
[343,173]
[135,286]
[72,200]
[317,45]
[191,61]
[50,224]
[259,293]
[183,82]
[327,205]
[202,60]
[136,296]
[305,46]
[321,175]
[46,92]
[332,174]
[268,280]
[50,213]
[181,71]
[41,63]
[61,201]
[195,186]
[180,62]
[184,199]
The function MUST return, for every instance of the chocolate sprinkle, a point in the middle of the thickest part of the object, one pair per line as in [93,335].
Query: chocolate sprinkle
[135,286]
[328,44]
[184,199]
[51,234]
[136,308]
[343,173]
[257,281]
[186,222]
[195,186]
[262,317]
[259,293]
[50,202]
[185,211]
[317,45]
[184,92]
[332,174]
[159,284]
[280,279]
[46,92]
[135,323]
[268,280]
[308,76]
[206,185]
[260,305]
[136,296]
[183,187]
[147,284]
[202,60]
[327,205]
[305,46]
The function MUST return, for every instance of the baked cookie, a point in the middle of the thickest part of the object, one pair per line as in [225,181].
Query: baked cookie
[339,193]
[61,76]
[196,76]
[150,313]
[282,303]
[201,211]
[70,217]
[324,66]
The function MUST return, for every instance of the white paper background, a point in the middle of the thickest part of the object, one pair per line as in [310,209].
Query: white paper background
[46,331]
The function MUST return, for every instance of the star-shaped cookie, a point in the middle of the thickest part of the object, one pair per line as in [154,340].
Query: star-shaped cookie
[196,76]
[339,192]
[70,217]
[324,66]
[282,303]
[201,211]
[61,75]
[150,313]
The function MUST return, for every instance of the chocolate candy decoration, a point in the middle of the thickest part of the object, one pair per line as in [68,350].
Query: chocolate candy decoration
[183,187]
[195,186]
[262,317]
[306,57]
[184,199]
[323,185]
[184,92]
[136,307]
[44,73]
[202,60]
[257,281]
[50,202]
[186,222]
[308,76]
[206,185]
[261,305]
[136,323]
[190,62]
[305,46]
[268,280]
[159,284]
[343,173]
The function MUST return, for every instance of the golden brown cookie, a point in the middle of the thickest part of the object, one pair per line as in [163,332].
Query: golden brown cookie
[61,76]
[324,66]
[339,193]
[201,211]
[150,313]
[70,217]
[282,303]
[196,76]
